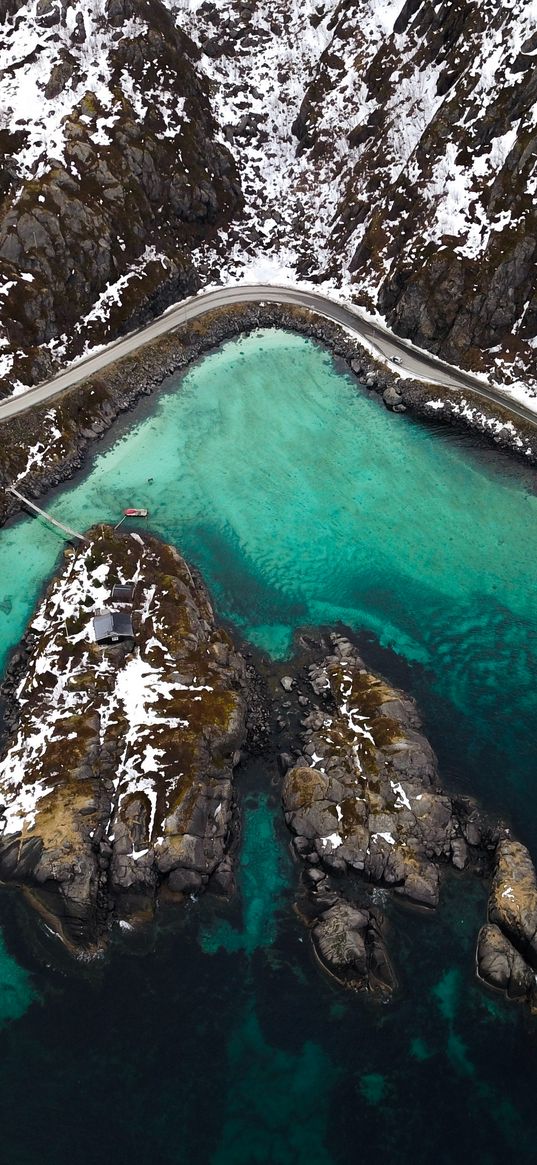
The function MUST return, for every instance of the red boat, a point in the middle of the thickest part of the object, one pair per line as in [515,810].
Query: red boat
[132,512]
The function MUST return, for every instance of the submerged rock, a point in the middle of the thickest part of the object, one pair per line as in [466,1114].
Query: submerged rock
[501,966]
[117,778]
[349,945]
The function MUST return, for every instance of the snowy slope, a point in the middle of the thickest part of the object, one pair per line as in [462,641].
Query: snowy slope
[384,149]
[109,171]
[387,134]
[29,54]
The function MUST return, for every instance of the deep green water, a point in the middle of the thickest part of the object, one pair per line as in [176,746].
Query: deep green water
[215,1038]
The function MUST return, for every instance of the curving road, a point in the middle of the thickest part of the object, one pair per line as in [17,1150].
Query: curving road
[412,360]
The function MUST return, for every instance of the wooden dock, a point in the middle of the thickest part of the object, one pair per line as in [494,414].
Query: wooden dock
[10,489]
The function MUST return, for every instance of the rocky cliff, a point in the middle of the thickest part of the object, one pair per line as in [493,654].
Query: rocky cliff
[436,210]
[389,146]
[117,780]
[110,173]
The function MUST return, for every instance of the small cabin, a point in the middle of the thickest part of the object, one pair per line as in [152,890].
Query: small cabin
[112,627]
[122,593]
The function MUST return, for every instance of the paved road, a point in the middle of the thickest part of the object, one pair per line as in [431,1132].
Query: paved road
[421,365]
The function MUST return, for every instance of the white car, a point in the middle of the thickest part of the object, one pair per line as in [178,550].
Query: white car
[396,360]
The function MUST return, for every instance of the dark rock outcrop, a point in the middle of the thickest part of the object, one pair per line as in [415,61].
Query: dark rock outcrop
[507,945]
[370,819]
[369,800]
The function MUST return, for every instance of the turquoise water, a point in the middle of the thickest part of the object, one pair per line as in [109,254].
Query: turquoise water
[17,991]
[303,502]
[268,1084]
[263,876]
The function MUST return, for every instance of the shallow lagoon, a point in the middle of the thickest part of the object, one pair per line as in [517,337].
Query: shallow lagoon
[303,502]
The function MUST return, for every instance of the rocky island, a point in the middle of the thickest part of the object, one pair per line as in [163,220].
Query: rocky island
[117,781]
[367,811]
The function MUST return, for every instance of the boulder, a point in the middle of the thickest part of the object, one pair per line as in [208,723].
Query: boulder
[108,197]
[501,966]
[393,398]
[513,898]
[349,945]
[507,945]
[339,940]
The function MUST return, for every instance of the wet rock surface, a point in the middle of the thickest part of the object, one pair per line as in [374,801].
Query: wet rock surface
[117,776]
[501,966]
[349,945]
[507,945]
[372,826]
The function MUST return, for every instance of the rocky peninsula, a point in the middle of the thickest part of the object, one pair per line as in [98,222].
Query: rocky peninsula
[117,782]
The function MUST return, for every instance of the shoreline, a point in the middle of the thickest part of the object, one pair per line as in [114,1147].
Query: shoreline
[83,414]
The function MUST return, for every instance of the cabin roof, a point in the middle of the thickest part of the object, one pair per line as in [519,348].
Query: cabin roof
[112,625]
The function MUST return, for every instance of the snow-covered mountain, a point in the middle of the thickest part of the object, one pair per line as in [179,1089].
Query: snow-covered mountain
[436,216]
[386,149]
[110,172]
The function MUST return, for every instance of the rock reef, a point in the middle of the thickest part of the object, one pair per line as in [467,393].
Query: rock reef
[370,801]
[507,944]
[112,179]
[369,817]
[117,781]
[364,802]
